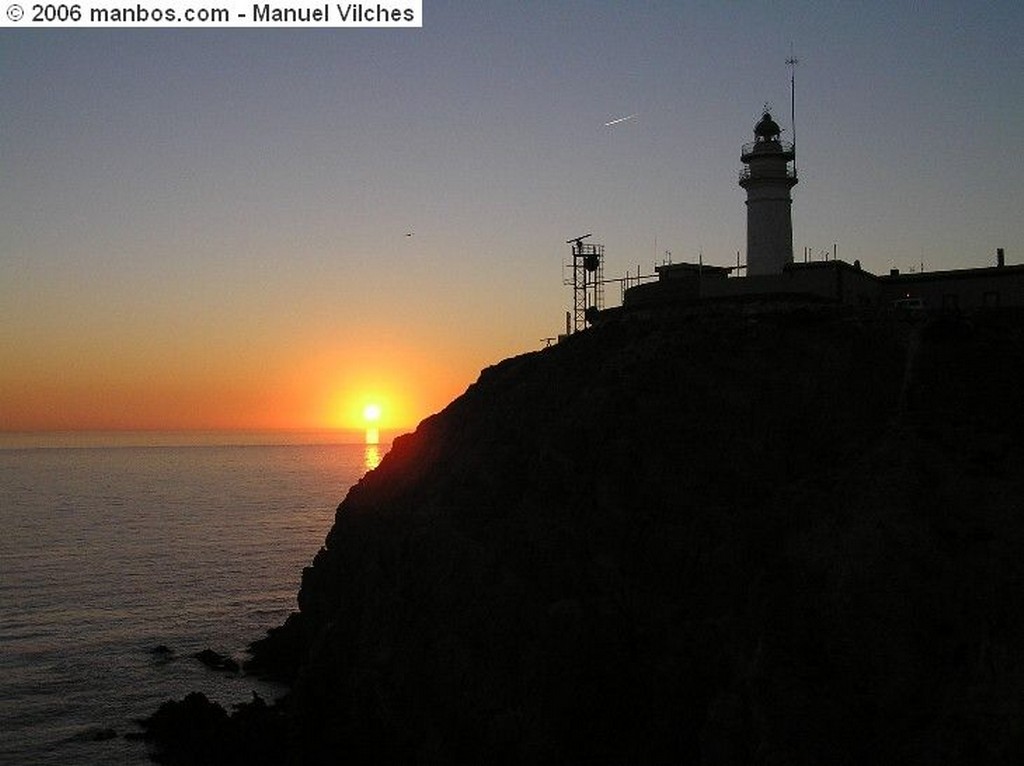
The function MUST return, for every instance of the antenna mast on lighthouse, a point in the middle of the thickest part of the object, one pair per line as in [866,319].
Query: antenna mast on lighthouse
[791,62]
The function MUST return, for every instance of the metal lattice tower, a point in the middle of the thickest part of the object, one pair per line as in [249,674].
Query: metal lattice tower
[587,281]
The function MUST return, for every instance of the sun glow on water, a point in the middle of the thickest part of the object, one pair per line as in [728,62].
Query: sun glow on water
[372,455]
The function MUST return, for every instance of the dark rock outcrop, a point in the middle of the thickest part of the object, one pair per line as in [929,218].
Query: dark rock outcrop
[217,661]
[739,536]
[198,732]
[95,734]
[161,654]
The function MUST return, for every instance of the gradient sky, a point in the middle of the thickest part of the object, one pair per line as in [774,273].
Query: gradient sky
[207,229]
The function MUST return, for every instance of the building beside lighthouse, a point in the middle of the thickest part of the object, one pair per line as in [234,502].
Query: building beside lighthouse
[768,176]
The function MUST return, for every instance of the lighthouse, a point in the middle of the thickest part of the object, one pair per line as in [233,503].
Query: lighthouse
[768,174]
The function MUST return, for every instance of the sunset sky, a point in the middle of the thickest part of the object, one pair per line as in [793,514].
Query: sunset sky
[208,229]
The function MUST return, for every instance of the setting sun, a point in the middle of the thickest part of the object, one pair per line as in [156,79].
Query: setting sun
[372,412]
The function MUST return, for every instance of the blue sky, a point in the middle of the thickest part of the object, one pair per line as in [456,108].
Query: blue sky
[243,196]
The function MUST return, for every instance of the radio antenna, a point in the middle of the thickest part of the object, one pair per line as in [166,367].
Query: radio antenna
[791,62]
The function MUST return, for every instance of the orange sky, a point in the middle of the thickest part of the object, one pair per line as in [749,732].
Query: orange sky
[264,354]
[101,389]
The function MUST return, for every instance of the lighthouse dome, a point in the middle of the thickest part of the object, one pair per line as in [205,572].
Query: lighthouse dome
[767,128]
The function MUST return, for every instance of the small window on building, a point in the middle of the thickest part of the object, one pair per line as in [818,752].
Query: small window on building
[992,298]
[950,301]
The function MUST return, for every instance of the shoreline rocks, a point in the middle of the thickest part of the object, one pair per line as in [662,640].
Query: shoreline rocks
[217,661]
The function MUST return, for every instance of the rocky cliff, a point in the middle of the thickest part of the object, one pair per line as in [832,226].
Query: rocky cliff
[727,536]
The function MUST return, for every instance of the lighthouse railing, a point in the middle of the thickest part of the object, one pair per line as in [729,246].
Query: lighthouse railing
[744,173]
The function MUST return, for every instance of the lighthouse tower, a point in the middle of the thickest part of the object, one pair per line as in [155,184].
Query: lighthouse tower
[768,174]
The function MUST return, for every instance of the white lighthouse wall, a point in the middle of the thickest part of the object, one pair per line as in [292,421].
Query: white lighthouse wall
[769,230]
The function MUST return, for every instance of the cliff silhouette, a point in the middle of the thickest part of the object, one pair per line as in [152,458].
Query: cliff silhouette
[747,534]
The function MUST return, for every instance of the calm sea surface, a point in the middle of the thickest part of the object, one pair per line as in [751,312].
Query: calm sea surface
[107,552]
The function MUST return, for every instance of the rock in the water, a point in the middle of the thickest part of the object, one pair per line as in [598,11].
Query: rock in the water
[192,731]
[96,734]
[196,731]
[216,661]
[162,654]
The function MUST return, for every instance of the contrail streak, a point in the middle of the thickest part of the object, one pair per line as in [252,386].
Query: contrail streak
[621,119]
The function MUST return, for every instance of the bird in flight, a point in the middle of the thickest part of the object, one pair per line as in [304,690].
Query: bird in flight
[621,119]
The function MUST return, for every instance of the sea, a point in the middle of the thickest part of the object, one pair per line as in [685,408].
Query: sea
[124,555]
